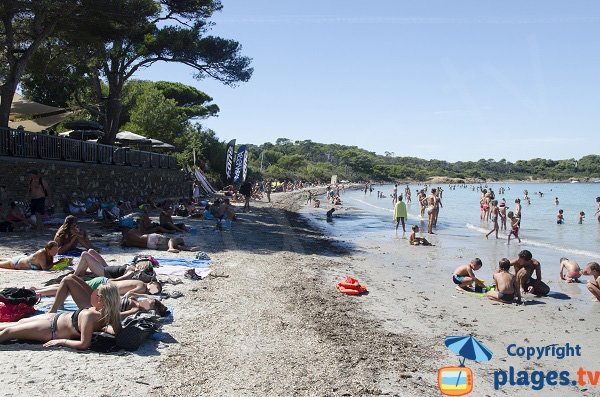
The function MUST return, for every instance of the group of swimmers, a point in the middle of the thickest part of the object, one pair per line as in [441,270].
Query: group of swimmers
[509,287]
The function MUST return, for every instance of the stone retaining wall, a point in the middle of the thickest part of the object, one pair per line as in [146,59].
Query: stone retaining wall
[91,180]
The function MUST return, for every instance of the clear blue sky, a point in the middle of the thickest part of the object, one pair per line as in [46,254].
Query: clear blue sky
[452,80]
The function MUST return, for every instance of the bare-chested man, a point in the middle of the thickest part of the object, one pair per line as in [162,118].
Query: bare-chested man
[38,191]
[525,265]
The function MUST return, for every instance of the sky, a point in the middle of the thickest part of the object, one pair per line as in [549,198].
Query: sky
[436,79]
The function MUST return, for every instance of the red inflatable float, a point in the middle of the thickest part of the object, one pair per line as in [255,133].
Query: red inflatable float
[351,286]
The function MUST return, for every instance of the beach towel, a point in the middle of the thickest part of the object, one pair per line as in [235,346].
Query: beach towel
[54,221]
[62,263]
[400,210]
[195,263]
[46,303]
[75,253]
[172,270]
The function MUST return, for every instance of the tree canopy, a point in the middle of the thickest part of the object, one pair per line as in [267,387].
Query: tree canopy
[96,59]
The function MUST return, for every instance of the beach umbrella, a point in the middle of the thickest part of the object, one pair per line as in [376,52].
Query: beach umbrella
[162,145]
[83,135]
[131,137]
[22,106]
[468,347]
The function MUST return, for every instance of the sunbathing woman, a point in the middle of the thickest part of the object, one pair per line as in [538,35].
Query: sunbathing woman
[69,236]
[95,263]
[72,330]
[41,260]
[123,286]
[83,295]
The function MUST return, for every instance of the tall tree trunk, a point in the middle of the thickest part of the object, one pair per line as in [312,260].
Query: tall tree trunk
[7,91]
[113,117]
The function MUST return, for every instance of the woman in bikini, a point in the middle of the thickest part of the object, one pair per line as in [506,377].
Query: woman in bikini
[41,260]
[69,236]
[72,329]
[72,282]
[83,295]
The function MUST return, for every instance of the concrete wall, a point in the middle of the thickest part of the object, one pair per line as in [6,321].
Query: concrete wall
[91,180]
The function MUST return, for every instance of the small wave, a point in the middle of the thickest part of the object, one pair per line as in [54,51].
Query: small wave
[573,251]
[542,244]
[477,228]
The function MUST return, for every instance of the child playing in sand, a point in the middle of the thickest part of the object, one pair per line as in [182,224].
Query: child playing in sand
[514,226]
[572,268]
[560,218]
[464,276]
[593,269]
[505,284]
[414,240]
[581,217]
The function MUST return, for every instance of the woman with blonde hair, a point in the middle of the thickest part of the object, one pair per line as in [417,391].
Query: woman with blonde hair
[69,235]
[42,259]
[70,329]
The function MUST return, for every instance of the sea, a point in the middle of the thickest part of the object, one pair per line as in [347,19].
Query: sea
[364,219]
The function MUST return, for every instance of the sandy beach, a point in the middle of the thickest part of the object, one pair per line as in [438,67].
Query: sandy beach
[270,321]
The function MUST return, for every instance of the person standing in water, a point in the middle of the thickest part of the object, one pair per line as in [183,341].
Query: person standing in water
[495,212]
[400,213]
[518,210]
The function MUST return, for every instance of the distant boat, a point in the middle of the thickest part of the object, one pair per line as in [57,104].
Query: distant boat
[574,181]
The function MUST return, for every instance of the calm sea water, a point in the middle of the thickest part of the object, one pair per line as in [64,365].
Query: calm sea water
[366,217]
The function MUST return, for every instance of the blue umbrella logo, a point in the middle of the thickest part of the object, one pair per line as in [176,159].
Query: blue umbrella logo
[468,348]
[458,381]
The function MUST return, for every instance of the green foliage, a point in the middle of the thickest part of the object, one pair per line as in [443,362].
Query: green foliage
[307,160]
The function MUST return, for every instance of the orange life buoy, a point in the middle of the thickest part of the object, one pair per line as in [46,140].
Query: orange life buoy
[349,282]
[350,286]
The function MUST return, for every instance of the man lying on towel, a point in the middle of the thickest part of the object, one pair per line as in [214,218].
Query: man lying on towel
[135,238]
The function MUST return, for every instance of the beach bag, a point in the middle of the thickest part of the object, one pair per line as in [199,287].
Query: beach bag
[135,329]
[103,342]
[128,222]
[15,296]
[10,313]
[146,273]
[150,258]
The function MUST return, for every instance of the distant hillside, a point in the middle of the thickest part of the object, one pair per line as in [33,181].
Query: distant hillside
[312,161]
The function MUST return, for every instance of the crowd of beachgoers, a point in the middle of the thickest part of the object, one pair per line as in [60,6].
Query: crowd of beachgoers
[106,295]
[507,287]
